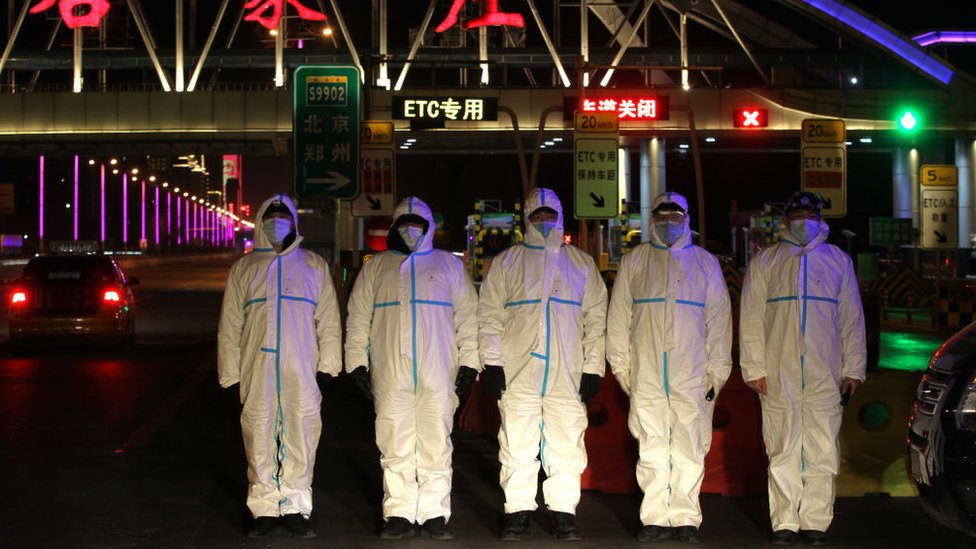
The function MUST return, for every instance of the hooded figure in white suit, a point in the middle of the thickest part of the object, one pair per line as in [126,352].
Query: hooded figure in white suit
[412,331]
[801,347]
[279,325]
[542,318]
[669,340]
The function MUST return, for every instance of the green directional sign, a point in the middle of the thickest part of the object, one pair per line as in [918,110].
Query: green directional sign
[326,125]
[597,192]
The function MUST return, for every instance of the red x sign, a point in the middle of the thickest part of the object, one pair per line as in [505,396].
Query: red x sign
[750,118]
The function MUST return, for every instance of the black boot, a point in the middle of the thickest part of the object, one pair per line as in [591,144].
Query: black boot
[654,533]
[263,527]
[397,528]
[518,526]
[688,534]
[297,526]
[814,537]
[782,537]
[564,527]
[436,528]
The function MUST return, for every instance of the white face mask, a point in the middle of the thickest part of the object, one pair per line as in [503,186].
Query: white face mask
[276,229]
[545,227]
[804,229]
[669,232]
[411,236]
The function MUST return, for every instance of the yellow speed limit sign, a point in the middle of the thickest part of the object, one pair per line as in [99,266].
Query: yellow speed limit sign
[823,130]
[376,132]
[596,122]
[939,175]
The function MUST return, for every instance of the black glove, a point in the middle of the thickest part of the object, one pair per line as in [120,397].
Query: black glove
[494,380]
[589,387]
[363,381]
[464,380]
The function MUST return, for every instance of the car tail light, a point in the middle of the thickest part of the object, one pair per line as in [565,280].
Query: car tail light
[18,296]
[111,295]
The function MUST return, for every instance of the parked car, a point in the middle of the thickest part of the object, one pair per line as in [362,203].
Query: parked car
[83,298]
[942,433]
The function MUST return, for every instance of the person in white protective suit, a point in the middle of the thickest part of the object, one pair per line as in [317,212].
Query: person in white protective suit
[279,326]
[802,348]
[542,322]
[412,335]
[669,343]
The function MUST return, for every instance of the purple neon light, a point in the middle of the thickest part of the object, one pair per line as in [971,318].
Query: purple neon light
[156,225]
[125,209]
[40,216]
[101,222]
[945,37]
[75,205]
[179,234]
[142,232]
[884,37]
[186,223]
[196,224]
[169,215]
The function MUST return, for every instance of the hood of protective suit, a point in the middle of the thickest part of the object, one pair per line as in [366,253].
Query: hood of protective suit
[411,206]
[261,240]
[787,236]
[542,197]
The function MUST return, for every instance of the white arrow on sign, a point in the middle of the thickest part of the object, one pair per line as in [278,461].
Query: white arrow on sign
[335,180]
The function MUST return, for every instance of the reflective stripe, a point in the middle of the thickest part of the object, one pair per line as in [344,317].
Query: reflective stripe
[428,252]
[783,298]
[649,300]
[658,246]
[819,298]
[267,350]
[525,302]
[279,421]
[413,317]
[545,376]
[692,303]
[537,355]
[263,250]
[566,301]
[253,301]
[797,244]
[532,247]
[385,304]
[667,390]
[410,205]
[302,299]
[542,446]
[430,302]
[803,322]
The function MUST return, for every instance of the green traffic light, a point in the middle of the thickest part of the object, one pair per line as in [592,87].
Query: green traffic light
[908,121]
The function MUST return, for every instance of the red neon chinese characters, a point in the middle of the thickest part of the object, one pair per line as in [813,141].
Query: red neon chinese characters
[628,108]
[490,18]
[92,18]
[277,7]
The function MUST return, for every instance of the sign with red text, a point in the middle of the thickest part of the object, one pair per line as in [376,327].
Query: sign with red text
[636,108]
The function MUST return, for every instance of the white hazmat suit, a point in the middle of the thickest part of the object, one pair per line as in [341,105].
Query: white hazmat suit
[669,338]
[412,320]
[802,329]
[279,325]
[542,318]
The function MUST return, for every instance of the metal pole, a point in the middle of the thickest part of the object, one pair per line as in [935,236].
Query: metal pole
[549,46]
[13,35]
[280,53]
[206,47]
[179,46]
[699,183]
[384,79]
[519,148]
[738,39]
[483,54]
[76,63]
[538,141]
[585,40]
[148,41]
[683,22]
[416,44]
[627,42]
[347,37]
[47,47]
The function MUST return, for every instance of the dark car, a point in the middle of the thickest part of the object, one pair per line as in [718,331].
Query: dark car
[85,298]
[942,433]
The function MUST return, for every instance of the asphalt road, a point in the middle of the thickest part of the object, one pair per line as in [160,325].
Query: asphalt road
[140,448]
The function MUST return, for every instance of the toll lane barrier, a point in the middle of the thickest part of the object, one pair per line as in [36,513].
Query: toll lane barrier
[736,462]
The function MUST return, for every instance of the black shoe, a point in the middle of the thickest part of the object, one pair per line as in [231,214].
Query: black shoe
[814,537]
[263,527]
[297,526]
[436,528]
[518,526]
[782,537]
[688,534]
[397,528]
[564,527]
[654,533]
